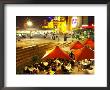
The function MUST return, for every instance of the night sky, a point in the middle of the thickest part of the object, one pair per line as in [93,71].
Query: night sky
[37,20]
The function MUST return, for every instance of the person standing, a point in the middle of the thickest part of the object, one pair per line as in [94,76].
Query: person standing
[65,37]
[88,34]
[57,37]
[71,55]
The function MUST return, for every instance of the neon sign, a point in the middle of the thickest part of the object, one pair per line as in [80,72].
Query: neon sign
[74,21]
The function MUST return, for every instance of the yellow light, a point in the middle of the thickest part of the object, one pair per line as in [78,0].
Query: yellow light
[29,23]
[63,27]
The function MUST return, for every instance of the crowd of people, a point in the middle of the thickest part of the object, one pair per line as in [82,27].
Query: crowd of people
[83,34]
[58,66]
[80,35]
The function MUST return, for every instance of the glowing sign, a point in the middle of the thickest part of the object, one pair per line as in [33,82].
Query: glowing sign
[74,21]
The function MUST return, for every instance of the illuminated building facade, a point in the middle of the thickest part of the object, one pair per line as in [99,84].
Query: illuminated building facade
[57,24]
[74,22]
[60,26]
[65,24]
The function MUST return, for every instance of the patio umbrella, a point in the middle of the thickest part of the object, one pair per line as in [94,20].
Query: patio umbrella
[89,42]
[57,53]
[83,53]
[76,45]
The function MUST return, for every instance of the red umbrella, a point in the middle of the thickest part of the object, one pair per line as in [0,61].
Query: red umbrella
[57,53]
[89,42]
[84,53]
[76,45]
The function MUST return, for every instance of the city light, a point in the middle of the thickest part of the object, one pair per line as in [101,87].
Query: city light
[84,25]
[92,24]
[29,23]
[74,22]
[63,27]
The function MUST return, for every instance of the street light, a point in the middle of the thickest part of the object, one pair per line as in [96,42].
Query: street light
[29,23]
